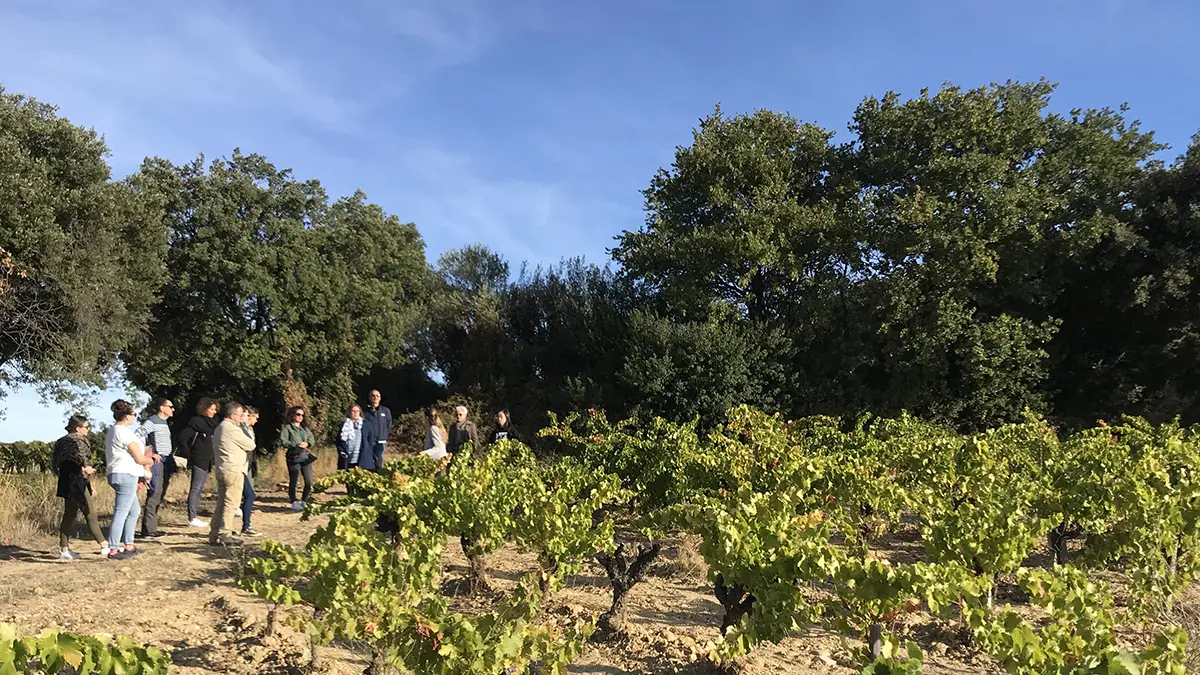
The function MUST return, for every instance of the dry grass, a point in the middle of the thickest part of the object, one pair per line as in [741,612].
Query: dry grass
[1186,615]
[30,511]
[685,562]
[272,471]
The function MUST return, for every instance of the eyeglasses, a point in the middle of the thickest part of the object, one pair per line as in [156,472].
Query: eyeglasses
[299,414]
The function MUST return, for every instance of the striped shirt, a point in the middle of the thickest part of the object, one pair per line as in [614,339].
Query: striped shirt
[161,441]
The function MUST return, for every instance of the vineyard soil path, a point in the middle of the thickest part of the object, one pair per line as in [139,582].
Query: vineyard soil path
[180,594]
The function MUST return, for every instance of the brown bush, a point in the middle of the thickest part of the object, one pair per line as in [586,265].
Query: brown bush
[684,560]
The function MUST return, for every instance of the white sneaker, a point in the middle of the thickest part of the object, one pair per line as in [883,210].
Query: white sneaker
[105,550]
[237,514]
[68,555]
[297,506]
[196,522]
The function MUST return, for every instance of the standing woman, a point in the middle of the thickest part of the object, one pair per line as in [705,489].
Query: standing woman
[435,435]
[297,442]
[72,462]
[127,462]
[504,428]
[196,440]
[350,439]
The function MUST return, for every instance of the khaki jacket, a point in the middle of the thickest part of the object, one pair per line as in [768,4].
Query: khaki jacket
[233,448]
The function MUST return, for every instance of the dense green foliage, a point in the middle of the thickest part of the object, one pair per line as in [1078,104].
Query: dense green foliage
[798,522]
[53,652]
[305,289]
[81,256]
[964,256]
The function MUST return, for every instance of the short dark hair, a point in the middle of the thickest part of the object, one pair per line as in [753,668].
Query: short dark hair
[76,422]
[158,403]
[232,407]
[205,403]
[121,409]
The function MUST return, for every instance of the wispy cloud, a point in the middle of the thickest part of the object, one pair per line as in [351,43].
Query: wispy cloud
[176,80]
[455,201]
[162,56]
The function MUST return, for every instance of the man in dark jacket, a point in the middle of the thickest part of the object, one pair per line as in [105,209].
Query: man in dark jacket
[463,431]
[377,427]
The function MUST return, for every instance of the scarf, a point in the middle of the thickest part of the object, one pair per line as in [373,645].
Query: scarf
[70,448]
[352,436]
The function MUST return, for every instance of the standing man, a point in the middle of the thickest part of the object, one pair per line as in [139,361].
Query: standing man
[233,447]
[463,431]
[155,435]
[377,427]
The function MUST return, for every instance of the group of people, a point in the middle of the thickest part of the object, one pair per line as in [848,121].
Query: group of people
[148,456]
[357,448]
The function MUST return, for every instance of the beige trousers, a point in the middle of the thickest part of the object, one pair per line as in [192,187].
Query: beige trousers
[229,499]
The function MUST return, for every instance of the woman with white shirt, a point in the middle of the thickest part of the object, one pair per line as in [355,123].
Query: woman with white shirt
[349,440]
[435,436]
[127,461]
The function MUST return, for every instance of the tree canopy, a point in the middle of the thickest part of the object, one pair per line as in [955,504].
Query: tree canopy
[81,256]
[271,283]
[963,255]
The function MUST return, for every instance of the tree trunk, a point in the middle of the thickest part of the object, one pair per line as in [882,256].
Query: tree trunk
[549,569]
[1174,561]
[624,572]
[1057,539]
[380,666]
[875,638]
[477,576]
[316,661]
[736,601]
[272,621]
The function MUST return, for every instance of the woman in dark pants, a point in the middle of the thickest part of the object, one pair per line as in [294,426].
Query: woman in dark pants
[196,440]
[72,461]
[297,442]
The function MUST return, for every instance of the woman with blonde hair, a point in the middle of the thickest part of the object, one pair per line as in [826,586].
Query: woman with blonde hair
[435,435]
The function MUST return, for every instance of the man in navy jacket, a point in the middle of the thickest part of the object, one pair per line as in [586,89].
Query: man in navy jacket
[377,426]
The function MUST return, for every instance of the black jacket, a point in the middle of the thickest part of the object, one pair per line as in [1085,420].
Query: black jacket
[196,441]
[508,431]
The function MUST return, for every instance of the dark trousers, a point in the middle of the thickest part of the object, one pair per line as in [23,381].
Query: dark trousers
[377,452]
[343,462]
[199,477]
[247,502]
[72,508]
[160,480]
[294,473]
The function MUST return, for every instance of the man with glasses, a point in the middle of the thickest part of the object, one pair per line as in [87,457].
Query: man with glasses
[155,434]
[377,426]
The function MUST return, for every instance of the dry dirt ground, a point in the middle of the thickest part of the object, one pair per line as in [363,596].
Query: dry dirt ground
[180,594]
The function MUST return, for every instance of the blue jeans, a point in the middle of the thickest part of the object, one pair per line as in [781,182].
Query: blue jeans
[126,509]
[247,502]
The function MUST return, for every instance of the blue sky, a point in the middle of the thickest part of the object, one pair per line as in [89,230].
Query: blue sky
[531,125]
